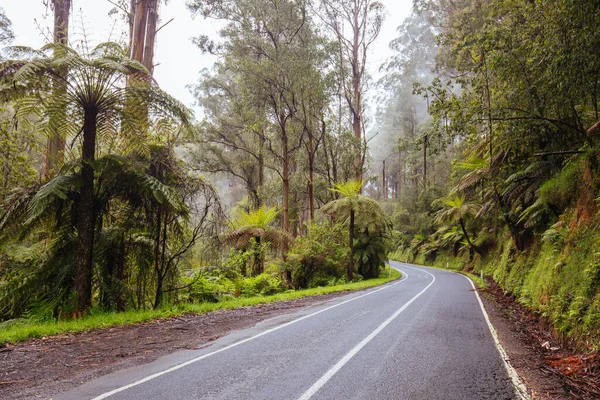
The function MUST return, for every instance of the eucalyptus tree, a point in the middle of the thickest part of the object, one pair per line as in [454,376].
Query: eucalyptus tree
[403,118]
[272,54]
[94,95]
[232,137]
[55,145]
[364,18]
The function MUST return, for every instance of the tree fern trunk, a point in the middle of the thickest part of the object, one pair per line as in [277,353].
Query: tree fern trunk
[86,217]
[462,226]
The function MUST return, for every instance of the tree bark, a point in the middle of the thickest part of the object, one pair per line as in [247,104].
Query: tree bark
[148,60]
[311,161]
[349,272]
[139,30]
[286,183]
[86,217]
[356,89]
[462,226]
[55,144]
[425,143]
[384,183]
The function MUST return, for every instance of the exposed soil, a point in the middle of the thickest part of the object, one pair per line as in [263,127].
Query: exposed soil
[41,368]
[549,369]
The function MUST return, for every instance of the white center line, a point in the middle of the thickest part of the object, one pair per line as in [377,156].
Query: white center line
[329,374]
[194,360]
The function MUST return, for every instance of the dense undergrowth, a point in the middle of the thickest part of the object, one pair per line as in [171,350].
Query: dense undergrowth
[558,277]
[258,290]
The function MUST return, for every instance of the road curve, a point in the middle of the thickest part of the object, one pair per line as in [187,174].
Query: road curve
[423,337]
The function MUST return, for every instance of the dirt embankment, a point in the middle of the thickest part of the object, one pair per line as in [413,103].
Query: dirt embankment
[549,369]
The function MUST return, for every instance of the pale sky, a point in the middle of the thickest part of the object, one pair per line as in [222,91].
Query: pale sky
[179,60]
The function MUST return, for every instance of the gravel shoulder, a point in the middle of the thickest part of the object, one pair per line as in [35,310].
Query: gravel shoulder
[40,368]
[549,369]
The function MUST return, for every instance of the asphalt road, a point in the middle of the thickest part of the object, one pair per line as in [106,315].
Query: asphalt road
[424,337]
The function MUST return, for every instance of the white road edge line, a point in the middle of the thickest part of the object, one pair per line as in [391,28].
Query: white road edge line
[520,388]
[194,360]
[329,374]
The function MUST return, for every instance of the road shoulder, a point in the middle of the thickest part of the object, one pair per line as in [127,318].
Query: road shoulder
[41,368]
[525,352]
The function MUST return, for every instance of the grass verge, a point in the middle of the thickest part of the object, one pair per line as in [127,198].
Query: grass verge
[20,330]
[480,283]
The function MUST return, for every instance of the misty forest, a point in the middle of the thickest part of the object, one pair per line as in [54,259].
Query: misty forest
[475,147]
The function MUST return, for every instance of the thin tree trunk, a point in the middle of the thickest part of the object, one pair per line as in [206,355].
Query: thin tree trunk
[425,163]
[400,177]
[356,92]
[311,161]
[350,273]
[86,217]
[286,184]
[261,169]
[462,226]
[120,275]
[158,297]
[384,183]
[285,175]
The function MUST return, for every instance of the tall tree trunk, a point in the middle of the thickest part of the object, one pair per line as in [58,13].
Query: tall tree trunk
[356,105]
[349,272]
[384,183]
[143,25]
[311,162]
[86,218]
[55,144]
[400,177]
[286,183]
[425,143]
[285,174]
[139,30]
[158,296]
[261,167]
[148,60]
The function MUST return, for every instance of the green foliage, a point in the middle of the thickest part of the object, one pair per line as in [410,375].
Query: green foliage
[19,152]
[350,188]
[320,256]
[251,233]
[371,249]
[38,267]
[19,330]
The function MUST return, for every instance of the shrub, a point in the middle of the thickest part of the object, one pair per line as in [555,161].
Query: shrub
[320,257]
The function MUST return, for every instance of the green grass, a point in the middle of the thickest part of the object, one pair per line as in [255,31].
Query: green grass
[480,283]
[21,330]
[447,263]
